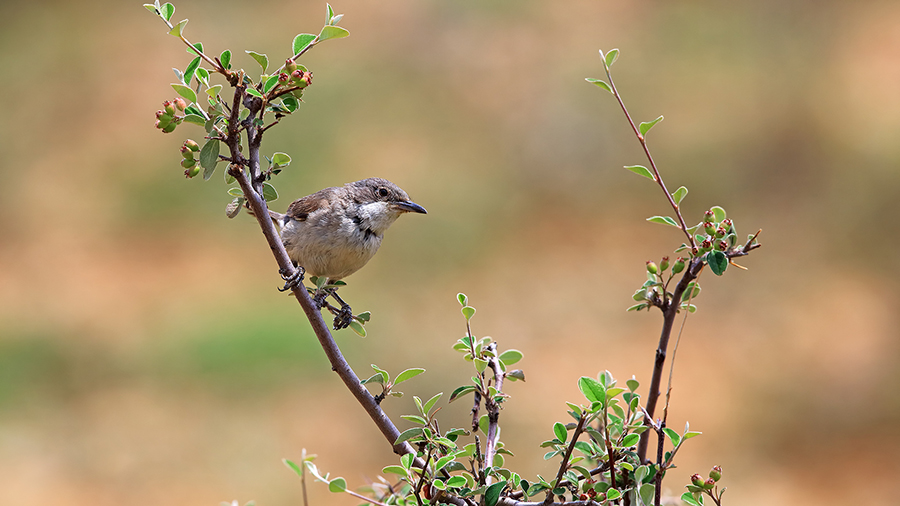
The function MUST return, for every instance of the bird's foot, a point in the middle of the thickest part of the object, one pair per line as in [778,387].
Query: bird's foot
[343,317]
[291,281]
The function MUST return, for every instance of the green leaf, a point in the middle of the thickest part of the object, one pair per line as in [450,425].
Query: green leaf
[719,212]
[254,92]
[632,384]
[408,374]
[717,261]
[611,57]
[329,13]
[592,389]
[480,365]
[394,470]
[665,220]
[166,11]
[281,159]
[492,494]
[337,485]
[642,171]
[689,434]
[177,29]
[456,481]
[195,119]
[630,440]
[297,469]
[357,327]
[613,494]
[459,392]
[679,194]
[291,103]
[270,83]
[647,491]
[225,58]
[269,192]
[209,157]
[516,374]
[185,92]
[236,192]
[688,498]
[468,312]
[431,402]
[599,83]
[197,49]
[647,125]
[560,431]
[510,357]
[407,460]
[384,374]
[674,438]
[150,7]
[409,434]
[638,307]
[463,300]
[332,32]
[260,58]
[301,41]
[214,90]
[375,378]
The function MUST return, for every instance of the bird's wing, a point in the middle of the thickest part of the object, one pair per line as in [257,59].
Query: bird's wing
[301,208]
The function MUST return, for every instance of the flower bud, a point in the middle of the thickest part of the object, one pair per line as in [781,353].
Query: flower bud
[709,227]
[720,232]
[169,107]
[651,267]
[709,215]
[705,246]
[709,484]
[678,266]
[727,223]
[192,145]
[664,264]
[186,153]
[697,480]
[716,473]
[168,128]
[193,171]
[722,245]
[283,77]
[187,163]
[289,66]
[180,104]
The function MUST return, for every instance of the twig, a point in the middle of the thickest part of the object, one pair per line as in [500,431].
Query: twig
[657,177]
[493,409]
[565,461]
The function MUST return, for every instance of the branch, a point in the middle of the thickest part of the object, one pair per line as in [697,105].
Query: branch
[656,174]
[493,409]
[565,461]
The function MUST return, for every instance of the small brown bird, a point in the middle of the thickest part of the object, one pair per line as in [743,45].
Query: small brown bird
[336,231]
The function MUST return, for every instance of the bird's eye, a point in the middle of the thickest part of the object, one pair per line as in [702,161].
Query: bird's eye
[383,192]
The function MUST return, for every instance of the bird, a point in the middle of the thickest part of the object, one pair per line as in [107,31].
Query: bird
[335,231]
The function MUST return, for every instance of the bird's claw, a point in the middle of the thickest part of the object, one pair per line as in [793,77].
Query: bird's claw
[291,281]
[343,318]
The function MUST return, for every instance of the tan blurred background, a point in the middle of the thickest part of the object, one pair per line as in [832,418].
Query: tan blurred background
[146,357]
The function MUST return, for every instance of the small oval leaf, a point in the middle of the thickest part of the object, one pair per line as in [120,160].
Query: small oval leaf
[301,41]
[679,194]
[717,261]
[408,374]
[665,220]
[185,92]
[647,125]
[641,170]
[600,83]
[332,32]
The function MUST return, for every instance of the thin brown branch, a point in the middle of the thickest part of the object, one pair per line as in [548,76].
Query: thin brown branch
[493,409]
[657,176]
[565,461]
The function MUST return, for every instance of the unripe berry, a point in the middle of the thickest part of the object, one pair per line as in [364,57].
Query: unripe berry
[709,215]
[723,246]
[697,480]
[709,227]
[709,484]
[289,66]
[187,163]
[192,145]
[716,473]
[283,77]
[678,266]
[169,127]
[187,153]
[720,232]
[169,107]
[180,104]
[705,246]
[664,264]
[727,223]
[651,267]
[193,171]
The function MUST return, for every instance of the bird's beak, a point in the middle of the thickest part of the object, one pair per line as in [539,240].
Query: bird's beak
[409,207]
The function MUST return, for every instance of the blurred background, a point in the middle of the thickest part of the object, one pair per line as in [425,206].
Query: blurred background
[146,357]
